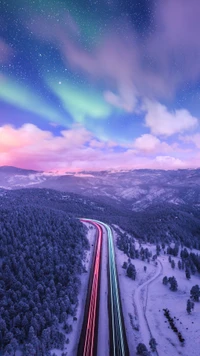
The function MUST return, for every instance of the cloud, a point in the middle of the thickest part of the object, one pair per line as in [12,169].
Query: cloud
[175,44]
[31,146]
[130,66]
[74,149]
[148,143]
[162,122]
[113,60]
[126,100]
[77,149]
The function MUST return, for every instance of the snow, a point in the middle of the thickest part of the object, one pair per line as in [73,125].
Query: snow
[143,301]
[161,297]
[84,175]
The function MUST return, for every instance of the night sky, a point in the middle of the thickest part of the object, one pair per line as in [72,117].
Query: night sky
[100,84]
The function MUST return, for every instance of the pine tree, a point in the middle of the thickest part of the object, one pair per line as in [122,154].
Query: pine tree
[190,306]
[14,344]
[31,333]
[158,249]
[173,283]
[163,245]
[152,344]
[124,265]
[165,280]
[173,264]
[187,273]
[131,271]
[142,349]
[179,264]
[29,350]
[195,293]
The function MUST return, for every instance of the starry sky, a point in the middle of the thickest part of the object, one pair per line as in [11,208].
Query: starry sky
[100,84]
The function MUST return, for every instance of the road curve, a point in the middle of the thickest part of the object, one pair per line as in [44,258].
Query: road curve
[88,339]
[118,342]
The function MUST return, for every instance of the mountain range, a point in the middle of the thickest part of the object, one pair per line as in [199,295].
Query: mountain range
[138,189]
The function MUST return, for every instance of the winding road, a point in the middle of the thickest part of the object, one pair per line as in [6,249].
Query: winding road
[140,298]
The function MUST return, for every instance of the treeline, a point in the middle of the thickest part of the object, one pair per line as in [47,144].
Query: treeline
[41,254]
[127,244]
[71,203]
[159,223]
[191,261]
[164,224]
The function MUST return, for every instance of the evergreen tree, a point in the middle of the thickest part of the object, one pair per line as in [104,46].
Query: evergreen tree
[142,349]
[179,264]
[153,344]
[131,271]
[165,280]
[190,306]
[195,293]
[173,283]
[125,264]
[173,264]
[187,273]
[43,250]
[29,350]
[158,249]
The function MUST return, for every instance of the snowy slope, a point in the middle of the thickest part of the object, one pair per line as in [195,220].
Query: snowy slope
[143,301]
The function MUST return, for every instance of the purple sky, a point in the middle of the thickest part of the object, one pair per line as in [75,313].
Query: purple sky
[111,84]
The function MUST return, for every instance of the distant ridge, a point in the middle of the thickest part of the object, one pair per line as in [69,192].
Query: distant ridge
[138,189]
[16,170]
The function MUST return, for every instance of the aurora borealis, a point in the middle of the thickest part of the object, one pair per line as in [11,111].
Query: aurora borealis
[110,84]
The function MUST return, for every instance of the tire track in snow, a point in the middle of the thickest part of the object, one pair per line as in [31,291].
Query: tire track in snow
[140,302]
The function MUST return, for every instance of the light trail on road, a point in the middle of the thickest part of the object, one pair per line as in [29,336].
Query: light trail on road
[87,347]
[118,338]
[118,343]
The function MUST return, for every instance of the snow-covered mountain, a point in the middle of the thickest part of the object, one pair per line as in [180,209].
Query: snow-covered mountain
[138,188]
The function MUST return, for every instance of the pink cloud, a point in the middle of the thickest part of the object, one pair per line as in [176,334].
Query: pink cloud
[76,149]
[166,123]
[149,144]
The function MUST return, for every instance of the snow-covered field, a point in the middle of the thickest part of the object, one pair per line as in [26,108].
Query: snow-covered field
[143,301]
